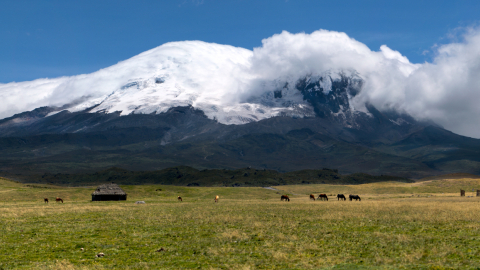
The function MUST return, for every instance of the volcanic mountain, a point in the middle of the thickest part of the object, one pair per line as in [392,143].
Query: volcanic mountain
[202,105]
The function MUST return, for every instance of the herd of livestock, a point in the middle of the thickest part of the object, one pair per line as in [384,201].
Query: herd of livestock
[322,197]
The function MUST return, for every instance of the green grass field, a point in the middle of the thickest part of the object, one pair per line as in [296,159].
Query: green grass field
[424,225]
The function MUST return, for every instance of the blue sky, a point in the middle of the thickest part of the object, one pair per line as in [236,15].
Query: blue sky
[60,38]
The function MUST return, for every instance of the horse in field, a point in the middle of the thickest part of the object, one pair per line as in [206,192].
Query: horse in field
[341,197]
[216,198]
[323,197]
[284,198]
[312,197]
[354,197]
[59,200]
[45,200]
[180,198]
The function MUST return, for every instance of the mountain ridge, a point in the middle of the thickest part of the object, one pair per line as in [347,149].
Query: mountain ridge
[185,136]
[178,105]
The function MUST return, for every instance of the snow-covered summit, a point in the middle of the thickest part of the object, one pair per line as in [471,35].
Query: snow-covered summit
[216,79]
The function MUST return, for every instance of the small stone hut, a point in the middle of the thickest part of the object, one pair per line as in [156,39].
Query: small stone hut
[109,192]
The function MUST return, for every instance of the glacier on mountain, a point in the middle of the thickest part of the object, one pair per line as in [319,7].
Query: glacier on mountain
[216,79]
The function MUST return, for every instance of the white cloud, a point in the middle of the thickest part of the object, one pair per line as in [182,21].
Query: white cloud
[446,91]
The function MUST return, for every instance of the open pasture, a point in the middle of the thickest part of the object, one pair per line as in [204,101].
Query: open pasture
[249,228]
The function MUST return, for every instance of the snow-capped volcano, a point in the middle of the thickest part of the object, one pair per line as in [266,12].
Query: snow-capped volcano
[230,85]
[300,100]
[216,79]
[235,85]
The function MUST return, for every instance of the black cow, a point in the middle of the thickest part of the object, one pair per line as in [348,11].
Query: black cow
[341,197]
[354,197]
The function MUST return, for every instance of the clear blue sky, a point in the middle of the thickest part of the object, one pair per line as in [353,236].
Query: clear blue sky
[41,39]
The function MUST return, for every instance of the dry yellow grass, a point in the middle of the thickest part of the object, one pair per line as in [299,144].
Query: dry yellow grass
[438,187]
[250,228]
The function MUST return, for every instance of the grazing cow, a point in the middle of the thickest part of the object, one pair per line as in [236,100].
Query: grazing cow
[354,197]
[341,197]
[216,198]
[58,200]
[180,199]
[312,197]
[45,200]
[284,198]
[323,197]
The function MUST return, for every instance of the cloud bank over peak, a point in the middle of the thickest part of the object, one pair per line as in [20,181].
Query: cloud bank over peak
[214,76]
[446,91]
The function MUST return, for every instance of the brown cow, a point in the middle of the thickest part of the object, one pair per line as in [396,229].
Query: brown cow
[323,197]
[45,200]
[284,198]
[216,198]
[180,199]
[58,200]
[312,197]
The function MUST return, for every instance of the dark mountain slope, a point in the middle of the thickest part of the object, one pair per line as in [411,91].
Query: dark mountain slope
[440,150]
[352,141]
[146,150]
[187,176]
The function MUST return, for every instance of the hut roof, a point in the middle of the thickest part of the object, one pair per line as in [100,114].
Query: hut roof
[109,189]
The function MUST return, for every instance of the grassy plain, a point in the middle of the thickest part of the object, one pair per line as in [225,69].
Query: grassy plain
[424,225]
